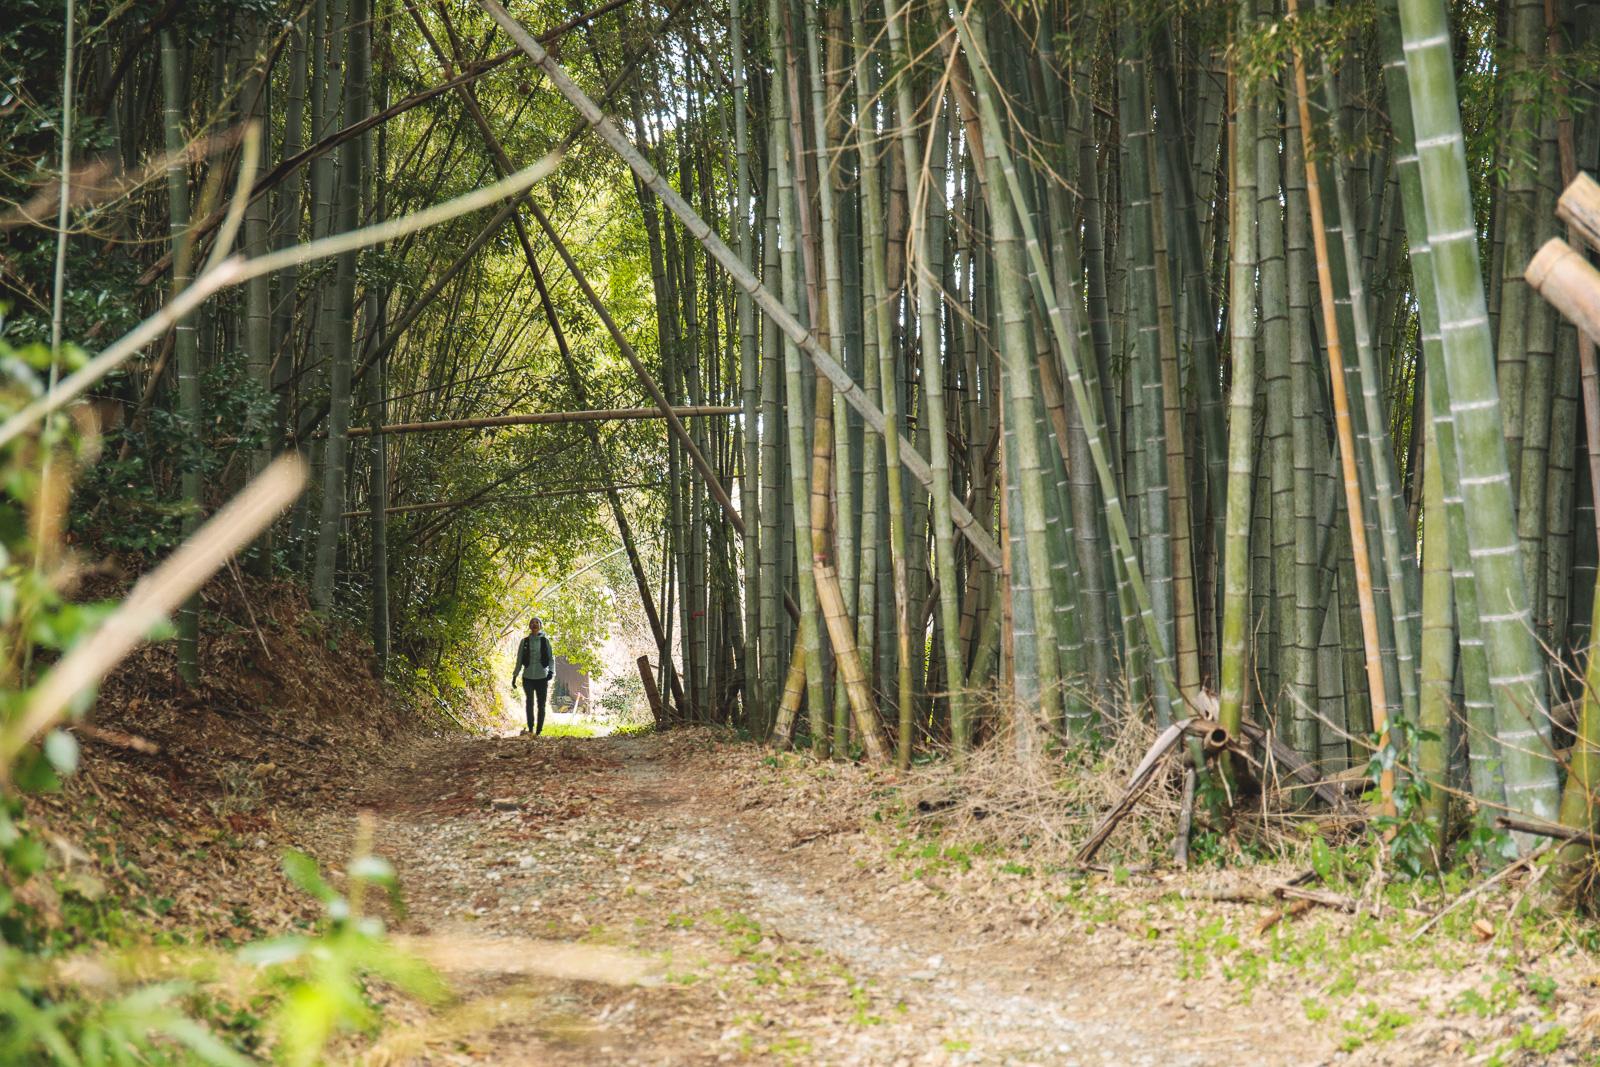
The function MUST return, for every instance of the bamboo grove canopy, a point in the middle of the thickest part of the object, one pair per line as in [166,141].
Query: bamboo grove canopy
[1019,369]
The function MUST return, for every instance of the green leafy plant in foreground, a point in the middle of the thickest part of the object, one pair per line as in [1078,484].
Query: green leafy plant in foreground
[323,976]
[313,985]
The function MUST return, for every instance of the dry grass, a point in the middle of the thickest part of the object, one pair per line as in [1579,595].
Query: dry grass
[1047,794]
[1025,787]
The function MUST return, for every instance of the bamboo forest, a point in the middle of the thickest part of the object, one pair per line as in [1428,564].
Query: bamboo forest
[799,531]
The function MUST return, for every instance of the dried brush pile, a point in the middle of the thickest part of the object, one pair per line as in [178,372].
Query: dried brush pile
[1030,789]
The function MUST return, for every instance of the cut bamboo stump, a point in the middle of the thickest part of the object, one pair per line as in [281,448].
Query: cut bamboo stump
[1561,274]
[1579,207]
[1214,738]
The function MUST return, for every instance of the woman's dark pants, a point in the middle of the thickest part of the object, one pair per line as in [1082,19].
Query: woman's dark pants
[530,688]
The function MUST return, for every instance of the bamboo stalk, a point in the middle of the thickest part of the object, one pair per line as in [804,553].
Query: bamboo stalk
[1346,434]
[769,303]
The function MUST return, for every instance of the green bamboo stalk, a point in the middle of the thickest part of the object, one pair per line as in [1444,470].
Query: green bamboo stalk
[1438,640]
[1478,707]
[932,392]
[810,643]
[1516,677]
[1233,681]
[882,329]
[1063,334]
[758,674]
[1288,684]
[1038,679]
[1150,405]
[174,103]
[1305,434]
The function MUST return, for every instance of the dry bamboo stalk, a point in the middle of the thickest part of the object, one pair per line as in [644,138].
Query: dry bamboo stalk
[1546,829]
[1180,841]
[542,417]
[794,687]
[152,598]
[830,599]
[1347,444]
[651,693]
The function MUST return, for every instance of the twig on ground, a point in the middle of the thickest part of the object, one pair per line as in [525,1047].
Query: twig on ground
[1297,908]
[117,739]
[1479,889]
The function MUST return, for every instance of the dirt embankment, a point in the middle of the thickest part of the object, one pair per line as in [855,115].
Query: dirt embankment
[177,817]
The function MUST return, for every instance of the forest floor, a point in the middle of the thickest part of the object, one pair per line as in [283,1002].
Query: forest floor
[673,899]
[686,899]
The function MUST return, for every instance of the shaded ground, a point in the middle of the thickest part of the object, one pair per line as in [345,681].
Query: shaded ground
[668,900]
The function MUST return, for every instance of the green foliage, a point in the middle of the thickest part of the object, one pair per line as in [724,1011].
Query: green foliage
[321,978]
[131,504]
[318,981]
[1412,852]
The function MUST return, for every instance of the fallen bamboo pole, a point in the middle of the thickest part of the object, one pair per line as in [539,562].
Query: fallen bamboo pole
[1563,276]
[543,417]
[1549,829]
[1579,207]
[741,275]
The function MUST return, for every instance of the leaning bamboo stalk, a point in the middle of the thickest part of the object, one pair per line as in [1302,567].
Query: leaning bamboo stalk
[830,600]
[1346,432]
[1061,318]
[152,598]
[539,418]
[768,301]
[794,687]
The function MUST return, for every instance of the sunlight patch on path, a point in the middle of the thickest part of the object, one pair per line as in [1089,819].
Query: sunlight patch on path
[455,953]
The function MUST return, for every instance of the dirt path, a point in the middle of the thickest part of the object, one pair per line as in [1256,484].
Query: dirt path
[607,900]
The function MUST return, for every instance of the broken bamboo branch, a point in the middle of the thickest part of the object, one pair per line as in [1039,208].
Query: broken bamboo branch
[540,418]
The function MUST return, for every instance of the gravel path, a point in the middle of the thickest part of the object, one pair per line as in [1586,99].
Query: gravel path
[603,901]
